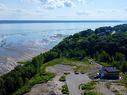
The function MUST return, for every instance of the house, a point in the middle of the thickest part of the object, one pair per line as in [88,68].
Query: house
[109,73]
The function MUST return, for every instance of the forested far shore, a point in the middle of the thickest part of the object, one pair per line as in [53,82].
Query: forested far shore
[105,45]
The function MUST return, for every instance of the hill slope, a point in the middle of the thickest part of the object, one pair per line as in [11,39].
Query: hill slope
[105,44]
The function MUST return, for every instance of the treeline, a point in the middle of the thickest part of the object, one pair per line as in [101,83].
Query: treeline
[105,44]
[18,77]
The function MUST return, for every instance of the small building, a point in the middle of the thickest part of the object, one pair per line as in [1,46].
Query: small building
[109,73]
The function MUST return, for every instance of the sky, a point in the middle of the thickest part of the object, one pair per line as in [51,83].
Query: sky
[63,9]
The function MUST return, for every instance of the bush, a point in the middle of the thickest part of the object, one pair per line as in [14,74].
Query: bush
[65,90]
[90,93]
[88,86]
[62,78]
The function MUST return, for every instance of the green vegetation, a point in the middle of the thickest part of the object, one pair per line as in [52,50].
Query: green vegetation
[66,73]
[124,80]
[101,45]
[91,93]
[88,86]
[43,75]
[79,66]
[23,77]
[83,68]
[35,80]
[65,90]
[62,78]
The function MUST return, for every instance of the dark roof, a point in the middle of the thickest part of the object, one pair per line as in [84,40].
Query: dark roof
[110,69]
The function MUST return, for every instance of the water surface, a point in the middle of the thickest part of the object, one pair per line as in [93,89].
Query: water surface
[18,39]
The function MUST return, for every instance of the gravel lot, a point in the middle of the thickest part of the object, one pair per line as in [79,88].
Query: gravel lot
[60,69]
[73,81]
[54,85]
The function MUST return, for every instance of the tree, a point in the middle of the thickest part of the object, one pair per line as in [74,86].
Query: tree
[2,88]
[104,57]
[119,57]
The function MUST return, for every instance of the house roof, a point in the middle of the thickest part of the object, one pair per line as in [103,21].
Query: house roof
[111,69]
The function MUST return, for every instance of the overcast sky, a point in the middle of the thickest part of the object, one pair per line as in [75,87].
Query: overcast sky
[64,9]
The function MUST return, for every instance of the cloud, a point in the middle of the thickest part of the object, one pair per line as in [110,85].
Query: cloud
[52,4]
[84,13]
[6,8]
[68,4]
[2,6]
[103,11]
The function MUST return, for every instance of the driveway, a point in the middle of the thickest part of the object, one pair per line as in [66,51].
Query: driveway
[73,82]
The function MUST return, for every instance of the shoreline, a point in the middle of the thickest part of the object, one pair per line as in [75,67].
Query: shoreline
[58,21]
[8,64]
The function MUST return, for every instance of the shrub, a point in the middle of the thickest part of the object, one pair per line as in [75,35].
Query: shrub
[65,90]
[88,86]
[62,78]
[90,93]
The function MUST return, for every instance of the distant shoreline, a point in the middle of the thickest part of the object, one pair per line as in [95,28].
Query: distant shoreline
[60,21]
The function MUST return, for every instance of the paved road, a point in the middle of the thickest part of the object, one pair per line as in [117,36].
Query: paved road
[73,82]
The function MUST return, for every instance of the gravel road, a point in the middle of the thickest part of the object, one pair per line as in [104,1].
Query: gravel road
[103,89]
[73,82]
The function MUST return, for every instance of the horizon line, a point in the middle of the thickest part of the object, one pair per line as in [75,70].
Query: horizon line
[56,21]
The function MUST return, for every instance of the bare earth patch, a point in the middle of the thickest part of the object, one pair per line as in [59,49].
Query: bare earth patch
[118,88]
[39,89]
[60,69]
